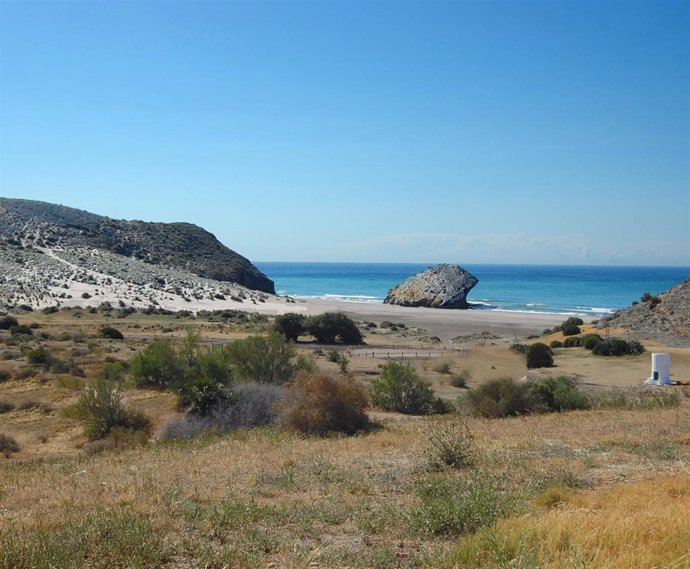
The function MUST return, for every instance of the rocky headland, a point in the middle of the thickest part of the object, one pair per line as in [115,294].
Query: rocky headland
[52,255]
[664,317]
[177,246]
[440,286]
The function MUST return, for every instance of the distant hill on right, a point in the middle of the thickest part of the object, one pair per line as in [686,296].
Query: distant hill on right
[664,317]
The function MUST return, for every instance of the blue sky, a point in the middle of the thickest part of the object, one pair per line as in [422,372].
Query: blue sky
[467,131]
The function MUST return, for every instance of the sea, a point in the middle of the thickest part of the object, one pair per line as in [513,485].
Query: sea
[579,290]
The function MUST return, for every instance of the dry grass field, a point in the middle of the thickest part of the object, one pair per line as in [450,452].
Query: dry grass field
[596,488]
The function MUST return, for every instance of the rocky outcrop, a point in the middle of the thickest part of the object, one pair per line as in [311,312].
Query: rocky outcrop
[180,246]
[665,317]
[441,286]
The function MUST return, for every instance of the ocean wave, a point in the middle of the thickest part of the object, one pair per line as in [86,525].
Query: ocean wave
[595,310]
[362,298]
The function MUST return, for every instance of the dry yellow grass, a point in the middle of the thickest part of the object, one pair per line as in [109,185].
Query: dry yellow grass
[644,524]
[262,497]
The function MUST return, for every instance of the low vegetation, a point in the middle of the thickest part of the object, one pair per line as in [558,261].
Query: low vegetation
[400,389]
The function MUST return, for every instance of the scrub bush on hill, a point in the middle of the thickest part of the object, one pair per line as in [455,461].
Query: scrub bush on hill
[591,340]
[538,355]
[332,327]
[572,342]
[400,389]
[111,333]
[617,347]
[571,330]
[320,404]
[6,322]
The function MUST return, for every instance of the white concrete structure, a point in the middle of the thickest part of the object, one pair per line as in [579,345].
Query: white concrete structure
[661,370]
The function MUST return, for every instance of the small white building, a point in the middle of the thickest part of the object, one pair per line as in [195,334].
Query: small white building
[661,370]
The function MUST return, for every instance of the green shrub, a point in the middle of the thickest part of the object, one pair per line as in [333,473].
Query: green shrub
[538,355]
[591,340]
[39,357]
[518,347]
[7,322]
[500,398]
[6,406]
[264,359]
[455,506]
[4,375]
[556,344]
[157,365]
[555,394]
[451,445]
[321,404]
[572,321]
[617,347]
[21,331]
[100,407]
[290,325]
[571,330]
[111,333]
[400,389]
[113,371]
[572,342]
[330,327]
[203,394]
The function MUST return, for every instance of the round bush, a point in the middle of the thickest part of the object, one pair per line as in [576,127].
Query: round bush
[571,330]
[330,327]
[591,340]
[7,322]
[320,404]
[539,355]
[556,344]
[572,342]
[111,333]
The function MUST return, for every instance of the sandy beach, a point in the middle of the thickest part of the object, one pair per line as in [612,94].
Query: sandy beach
[446,324]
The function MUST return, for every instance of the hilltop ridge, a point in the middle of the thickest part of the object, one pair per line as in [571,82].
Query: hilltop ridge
[176,246]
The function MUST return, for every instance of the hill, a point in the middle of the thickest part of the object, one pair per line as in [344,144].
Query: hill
[665,318]
[184,247]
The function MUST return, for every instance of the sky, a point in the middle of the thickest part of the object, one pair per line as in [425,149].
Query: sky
[547,132]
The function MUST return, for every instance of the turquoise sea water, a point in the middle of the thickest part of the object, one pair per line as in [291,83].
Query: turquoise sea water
[591,290]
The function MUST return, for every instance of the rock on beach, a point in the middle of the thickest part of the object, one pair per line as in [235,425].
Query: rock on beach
[440,286]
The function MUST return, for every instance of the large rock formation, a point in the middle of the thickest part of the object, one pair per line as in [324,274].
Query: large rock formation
[665,317]
[441,286]
[180,246]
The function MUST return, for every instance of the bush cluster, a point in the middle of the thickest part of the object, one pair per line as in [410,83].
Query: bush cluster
[327,328]
[400,389]
[617,347]
[506,397]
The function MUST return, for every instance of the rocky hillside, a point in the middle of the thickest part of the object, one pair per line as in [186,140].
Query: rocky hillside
[665,317]
[62,231]
[441,286]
